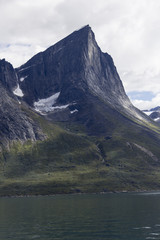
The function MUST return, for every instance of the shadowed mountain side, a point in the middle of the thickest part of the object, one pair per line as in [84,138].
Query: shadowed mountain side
[15,125]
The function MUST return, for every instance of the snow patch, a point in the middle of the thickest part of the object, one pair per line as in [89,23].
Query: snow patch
[60,107]
[148,112]
[76,110]
[18,92]
[23,78]
[46,105]
[46,109]
[157,119]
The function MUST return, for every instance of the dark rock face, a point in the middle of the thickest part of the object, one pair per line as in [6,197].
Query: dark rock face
[155,115]
[155,109]
[85,78]
[73,66]
[8,76]
[14,123]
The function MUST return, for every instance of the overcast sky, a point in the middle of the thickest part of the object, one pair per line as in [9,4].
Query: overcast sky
[129,30]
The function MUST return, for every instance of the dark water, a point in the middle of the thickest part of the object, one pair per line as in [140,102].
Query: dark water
[87,217]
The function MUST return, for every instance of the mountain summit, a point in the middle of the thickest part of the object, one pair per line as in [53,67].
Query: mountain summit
[67,125]
[72,80]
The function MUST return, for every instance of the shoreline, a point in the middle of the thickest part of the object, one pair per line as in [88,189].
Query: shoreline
[82,193]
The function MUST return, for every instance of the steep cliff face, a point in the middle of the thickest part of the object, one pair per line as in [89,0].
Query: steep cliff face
[74,62]
[15,125]
[8,76]
[75,81]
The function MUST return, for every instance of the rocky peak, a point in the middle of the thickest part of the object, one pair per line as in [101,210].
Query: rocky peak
[76,62]
[8,77]
[61,64]
[70,76]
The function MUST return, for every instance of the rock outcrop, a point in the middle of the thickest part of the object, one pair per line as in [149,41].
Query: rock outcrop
[15,125]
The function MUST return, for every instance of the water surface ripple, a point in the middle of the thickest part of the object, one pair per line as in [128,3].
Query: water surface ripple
[129,216]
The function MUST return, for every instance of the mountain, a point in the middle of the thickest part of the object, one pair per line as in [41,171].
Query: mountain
[155,109]
[154,113]
[76,79]
[14,123]
[68,126]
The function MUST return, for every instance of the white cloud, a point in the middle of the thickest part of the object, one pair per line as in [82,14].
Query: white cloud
[141,81]
[19,53]
[147,81]
[143,105]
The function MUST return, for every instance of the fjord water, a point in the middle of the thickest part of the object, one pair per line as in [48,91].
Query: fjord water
[76,217]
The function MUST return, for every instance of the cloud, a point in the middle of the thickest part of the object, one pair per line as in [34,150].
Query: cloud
[141,81]
[146,105]
[35,23]
[19,52]
[28,21]
[142,88]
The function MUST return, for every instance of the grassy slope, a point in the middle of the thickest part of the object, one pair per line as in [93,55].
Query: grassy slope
[70,161]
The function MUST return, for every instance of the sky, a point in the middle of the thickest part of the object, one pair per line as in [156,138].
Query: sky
[129,30]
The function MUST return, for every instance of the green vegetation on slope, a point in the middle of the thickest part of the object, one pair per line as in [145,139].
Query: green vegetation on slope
[70,161]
